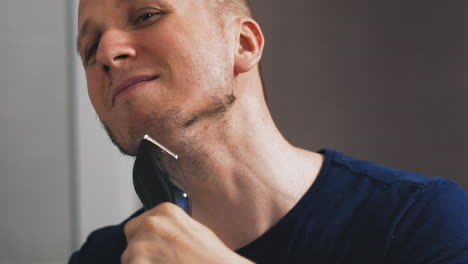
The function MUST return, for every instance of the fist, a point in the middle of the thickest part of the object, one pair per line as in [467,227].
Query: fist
[166,234]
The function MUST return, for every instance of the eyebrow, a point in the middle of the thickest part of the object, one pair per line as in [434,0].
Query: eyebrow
[162,2]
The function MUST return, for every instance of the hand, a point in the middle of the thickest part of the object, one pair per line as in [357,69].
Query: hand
[166,234]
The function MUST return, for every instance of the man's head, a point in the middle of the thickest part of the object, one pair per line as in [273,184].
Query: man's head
[163,67]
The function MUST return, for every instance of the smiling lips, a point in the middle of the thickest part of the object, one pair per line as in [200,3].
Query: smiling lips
[130,83]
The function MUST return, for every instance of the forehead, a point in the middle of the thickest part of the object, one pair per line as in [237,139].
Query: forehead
[105,9]
[109,3]
[87,5]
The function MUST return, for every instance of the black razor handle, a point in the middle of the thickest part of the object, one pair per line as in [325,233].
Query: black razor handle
[152,182]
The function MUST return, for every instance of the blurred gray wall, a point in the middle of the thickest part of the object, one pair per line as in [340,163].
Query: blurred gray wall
[104,187]
[61,177]
[378,80]
[35,203]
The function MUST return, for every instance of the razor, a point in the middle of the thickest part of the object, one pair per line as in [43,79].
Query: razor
[157,177]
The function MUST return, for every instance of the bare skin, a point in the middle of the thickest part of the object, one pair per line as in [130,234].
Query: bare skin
[202,97]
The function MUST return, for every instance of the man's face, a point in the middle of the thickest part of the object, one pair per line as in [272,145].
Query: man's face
[154,66]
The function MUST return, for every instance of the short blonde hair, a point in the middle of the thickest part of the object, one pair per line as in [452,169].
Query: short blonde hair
[223,8]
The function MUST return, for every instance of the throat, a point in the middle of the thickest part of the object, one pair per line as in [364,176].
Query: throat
[240,209]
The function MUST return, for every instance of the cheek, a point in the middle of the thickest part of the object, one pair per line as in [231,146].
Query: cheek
[95,90]
[177,61]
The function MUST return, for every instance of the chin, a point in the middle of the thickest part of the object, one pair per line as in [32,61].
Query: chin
[127,152]
[128,148]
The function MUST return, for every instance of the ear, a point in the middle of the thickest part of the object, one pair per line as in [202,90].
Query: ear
[249,46]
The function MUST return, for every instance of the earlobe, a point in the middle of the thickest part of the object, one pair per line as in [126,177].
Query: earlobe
[249,47]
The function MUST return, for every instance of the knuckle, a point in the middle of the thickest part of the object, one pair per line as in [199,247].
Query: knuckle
[126,257]
[166,207]
[134,253]
[152,224]
[128,228]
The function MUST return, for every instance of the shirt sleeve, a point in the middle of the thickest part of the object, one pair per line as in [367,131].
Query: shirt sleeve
[435,229]
[74,258]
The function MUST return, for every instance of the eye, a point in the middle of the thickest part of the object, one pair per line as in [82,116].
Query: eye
[147,18]
[90,52]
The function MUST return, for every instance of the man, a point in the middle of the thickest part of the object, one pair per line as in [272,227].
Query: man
[186,73]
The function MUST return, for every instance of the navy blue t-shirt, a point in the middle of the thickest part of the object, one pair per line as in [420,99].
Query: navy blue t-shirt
[355,212]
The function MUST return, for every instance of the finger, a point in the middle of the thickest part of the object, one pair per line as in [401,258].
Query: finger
[176,216]
[152,220]
[142,250]
[132,227]
[126,258]
[168,209]
[131,256]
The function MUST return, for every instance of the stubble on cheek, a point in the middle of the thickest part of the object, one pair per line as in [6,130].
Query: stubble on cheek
[115,142]
[177,126]
[173,127]
[218,107]
[160,128]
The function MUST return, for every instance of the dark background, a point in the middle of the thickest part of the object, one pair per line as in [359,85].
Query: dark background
[377,80]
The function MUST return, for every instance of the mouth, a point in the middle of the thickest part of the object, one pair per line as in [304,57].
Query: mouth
[130,83]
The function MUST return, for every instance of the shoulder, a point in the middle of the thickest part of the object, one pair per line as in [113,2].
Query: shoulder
[382,180]
[435,194]
[425,218]
[435,228]
[420,187]
[374,171]
[104,245]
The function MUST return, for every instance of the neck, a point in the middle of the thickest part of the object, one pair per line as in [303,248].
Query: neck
[242,175]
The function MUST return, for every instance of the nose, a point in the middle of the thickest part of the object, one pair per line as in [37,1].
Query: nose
[115,49]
